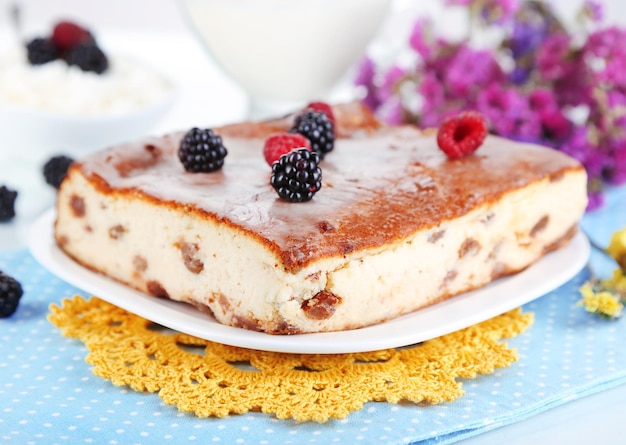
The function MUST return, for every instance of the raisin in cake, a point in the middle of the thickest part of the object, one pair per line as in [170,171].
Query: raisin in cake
[396,226]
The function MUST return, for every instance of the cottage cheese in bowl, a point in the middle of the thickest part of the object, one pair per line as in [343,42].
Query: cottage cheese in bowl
[56,106]
[55,87]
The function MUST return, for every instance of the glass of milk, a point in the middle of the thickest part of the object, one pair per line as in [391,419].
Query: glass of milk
[284,53]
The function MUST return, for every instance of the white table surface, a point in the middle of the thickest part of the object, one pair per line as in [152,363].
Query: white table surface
[208,98]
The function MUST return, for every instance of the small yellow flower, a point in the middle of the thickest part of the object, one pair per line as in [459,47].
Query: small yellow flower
[617,248]
[603,303]
[617,282]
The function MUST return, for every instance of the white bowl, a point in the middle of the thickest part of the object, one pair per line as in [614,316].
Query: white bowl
[40,132]
[285,50]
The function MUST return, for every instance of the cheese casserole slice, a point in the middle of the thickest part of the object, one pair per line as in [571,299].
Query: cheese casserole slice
[397,226]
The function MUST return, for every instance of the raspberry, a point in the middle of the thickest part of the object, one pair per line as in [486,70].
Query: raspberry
[317,128]
[7,203]
[88,57]
[202,151]
[296,176]
[55,169]
[282,143]
[461,135]
[40,51]
[66,35]
[323,107]
[10,294]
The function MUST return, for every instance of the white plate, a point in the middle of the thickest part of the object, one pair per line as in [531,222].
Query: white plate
[456,313]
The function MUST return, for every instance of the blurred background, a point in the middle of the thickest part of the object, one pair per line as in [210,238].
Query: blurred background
[158,32]
[165,15]
[151,15]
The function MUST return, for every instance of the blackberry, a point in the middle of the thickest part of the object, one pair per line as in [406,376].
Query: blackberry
[317,128]
[202,151]
[55,169]
[296,176]
[10,294]
[7,203]
[41,50]
[88,57]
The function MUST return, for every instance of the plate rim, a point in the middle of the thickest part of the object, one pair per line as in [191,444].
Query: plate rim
[397,332]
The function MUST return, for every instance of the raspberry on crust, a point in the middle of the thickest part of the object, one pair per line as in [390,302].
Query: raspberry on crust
[462,134]
[279,144]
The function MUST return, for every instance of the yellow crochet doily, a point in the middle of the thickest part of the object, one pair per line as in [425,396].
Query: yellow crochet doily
[211,379]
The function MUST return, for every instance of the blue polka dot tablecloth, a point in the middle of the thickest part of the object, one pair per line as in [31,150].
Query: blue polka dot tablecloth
[48,394]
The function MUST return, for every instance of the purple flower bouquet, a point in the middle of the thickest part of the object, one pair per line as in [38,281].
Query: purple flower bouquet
[540,82]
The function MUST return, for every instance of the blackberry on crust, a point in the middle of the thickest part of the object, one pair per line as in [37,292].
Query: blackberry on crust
[202,151]
[323,107]
[296,176]
[317,128]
